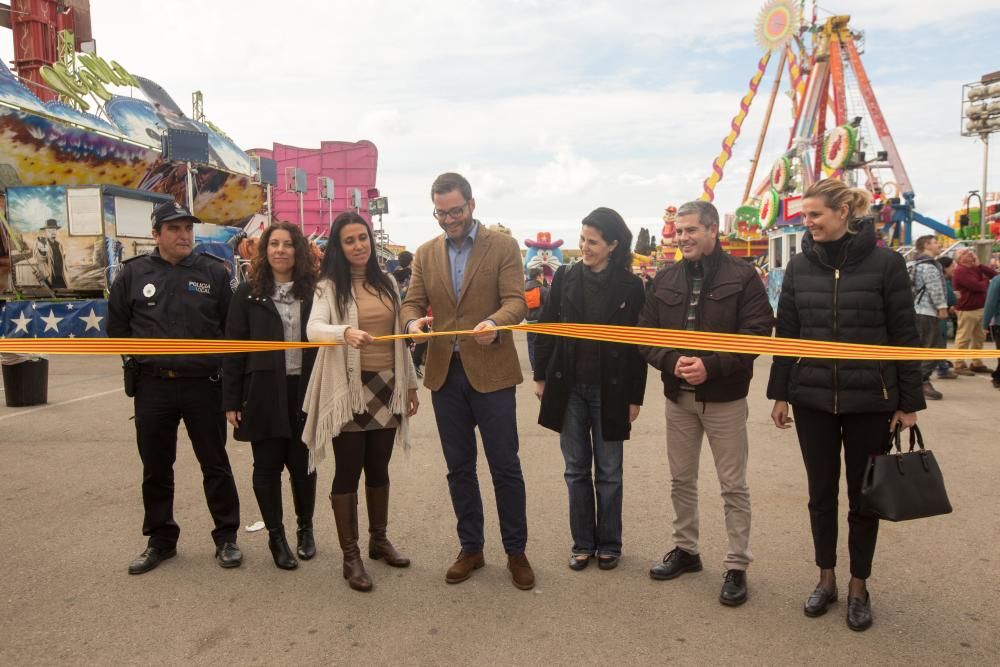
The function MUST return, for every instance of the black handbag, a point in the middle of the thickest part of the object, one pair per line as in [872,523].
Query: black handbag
[899,486]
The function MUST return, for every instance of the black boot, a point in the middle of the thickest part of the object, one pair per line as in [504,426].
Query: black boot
[267,488]
[280,550]
[304,499]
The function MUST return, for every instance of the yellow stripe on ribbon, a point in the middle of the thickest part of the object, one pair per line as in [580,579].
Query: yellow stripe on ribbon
[671,338]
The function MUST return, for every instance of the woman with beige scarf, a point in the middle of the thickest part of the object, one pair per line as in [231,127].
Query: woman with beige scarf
[361,393]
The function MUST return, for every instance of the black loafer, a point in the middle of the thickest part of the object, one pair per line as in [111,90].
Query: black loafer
[818,602]
[607,562]
[674,564]
[859,613]
[149,559]
[228,555]
[577,563]
[734,588]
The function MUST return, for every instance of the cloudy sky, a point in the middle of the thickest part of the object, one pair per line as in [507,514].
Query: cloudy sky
[550,107]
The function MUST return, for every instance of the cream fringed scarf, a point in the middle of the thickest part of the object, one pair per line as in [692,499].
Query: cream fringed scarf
[334,394]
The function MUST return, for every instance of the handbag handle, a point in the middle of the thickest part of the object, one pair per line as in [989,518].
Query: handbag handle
[916,437]
[894,440]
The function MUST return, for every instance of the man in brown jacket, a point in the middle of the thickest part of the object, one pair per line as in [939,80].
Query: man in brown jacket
[471,278]
[707,291]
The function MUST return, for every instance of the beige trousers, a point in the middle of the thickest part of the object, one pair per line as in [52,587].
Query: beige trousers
[725,424]
[969,335]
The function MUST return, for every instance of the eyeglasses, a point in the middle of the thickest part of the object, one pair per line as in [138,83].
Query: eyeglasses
[450,213]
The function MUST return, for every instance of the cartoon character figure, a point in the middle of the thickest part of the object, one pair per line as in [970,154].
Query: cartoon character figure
[669,230]
[545,253]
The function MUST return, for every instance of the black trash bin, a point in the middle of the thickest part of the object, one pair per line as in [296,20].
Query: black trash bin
[26,383]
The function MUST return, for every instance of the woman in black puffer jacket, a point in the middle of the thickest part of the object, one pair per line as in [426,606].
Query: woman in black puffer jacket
[843,288]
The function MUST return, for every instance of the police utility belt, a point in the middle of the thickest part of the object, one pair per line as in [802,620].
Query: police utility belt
[169,374]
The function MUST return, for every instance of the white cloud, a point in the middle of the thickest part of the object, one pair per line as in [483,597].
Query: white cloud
[383,124]
[565,174]
[627,178]
[488,185]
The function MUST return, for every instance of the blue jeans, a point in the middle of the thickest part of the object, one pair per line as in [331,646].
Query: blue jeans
[595,531]
[531,349]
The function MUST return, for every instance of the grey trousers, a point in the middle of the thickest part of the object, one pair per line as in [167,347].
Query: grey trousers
[725,424]
[929,330]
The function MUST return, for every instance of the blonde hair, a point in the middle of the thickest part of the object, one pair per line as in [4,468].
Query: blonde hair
[835,194]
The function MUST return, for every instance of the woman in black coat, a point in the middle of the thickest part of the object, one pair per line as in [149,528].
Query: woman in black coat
[842,287]
[263,391]
[591,391]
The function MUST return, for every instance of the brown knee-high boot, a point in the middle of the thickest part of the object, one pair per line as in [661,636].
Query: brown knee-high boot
[345,513]
[379,545]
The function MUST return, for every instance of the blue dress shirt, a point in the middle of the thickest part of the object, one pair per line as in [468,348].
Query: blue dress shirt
[458,257]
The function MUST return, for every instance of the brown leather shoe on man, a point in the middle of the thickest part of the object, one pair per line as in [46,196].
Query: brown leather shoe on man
[520,571]
[463,566]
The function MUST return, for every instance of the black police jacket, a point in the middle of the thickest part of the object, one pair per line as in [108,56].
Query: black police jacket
[623,370]
[733,300]
[254,383]
[867,298]
[152,298]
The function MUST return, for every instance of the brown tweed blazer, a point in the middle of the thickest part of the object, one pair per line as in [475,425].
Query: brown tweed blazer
[492,289]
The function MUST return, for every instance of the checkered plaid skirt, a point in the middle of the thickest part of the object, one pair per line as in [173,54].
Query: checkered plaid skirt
[377,387]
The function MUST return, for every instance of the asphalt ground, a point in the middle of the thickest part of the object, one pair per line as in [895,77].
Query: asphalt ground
[72,517]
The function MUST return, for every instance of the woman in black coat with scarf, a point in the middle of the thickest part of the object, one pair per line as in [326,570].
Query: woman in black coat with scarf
[591,391]
[842,287]
[263,391]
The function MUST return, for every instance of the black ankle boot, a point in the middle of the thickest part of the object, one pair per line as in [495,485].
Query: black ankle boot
[280,550]
[305,542]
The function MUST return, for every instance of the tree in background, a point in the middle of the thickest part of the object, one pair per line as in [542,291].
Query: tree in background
[642,244]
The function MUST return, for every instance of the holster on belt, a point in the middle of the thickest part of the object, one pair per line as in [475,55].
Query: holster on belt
[130,367]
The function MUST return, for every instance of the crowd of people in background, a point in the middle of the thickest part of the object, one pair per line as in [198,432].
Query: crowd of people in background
[356,399]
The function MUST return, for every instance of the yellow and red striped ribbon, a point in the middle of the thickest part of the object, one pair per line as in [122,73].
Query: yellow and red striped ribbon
[671,338]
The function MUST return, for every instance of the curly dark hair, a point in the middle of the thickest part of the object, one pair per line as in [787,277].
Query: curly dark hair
[337,269]
[303,273]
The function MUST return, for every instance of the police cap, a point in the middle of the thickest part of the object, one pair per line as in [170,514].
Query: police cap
[169,211]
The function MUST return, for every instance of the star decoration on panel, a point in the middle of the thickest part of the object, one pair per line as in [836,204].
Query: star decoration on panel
[37,319]
[51,321]
[20,324]
[92,321]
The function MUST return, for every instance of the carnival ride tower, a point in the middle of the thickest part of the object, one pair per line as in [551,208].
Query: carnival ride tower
[862,155]
[838,131]
[37,26]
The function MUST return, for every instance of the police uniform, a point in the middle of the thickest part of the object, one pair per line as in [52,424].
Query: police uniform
[152,298]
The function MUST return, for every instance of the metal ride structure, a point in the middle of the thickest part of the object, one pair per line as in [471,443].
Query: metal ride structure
[778,27]
[981,118]
[838,131]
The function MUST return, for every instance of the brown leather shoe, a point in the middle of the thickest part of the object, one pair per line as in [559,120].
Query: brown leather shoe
[520,571]
[463,566]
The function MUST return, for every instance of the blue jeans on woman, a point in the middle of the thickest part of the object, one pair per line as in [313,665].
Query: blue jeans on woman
[595,530]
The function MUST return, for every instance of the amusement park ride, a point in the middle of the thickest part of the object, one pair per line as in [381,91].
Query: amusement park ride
[87,149]
[838,131]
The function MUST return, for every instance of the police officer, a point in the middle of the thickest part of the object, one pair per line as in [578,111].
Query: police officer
[172,293]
